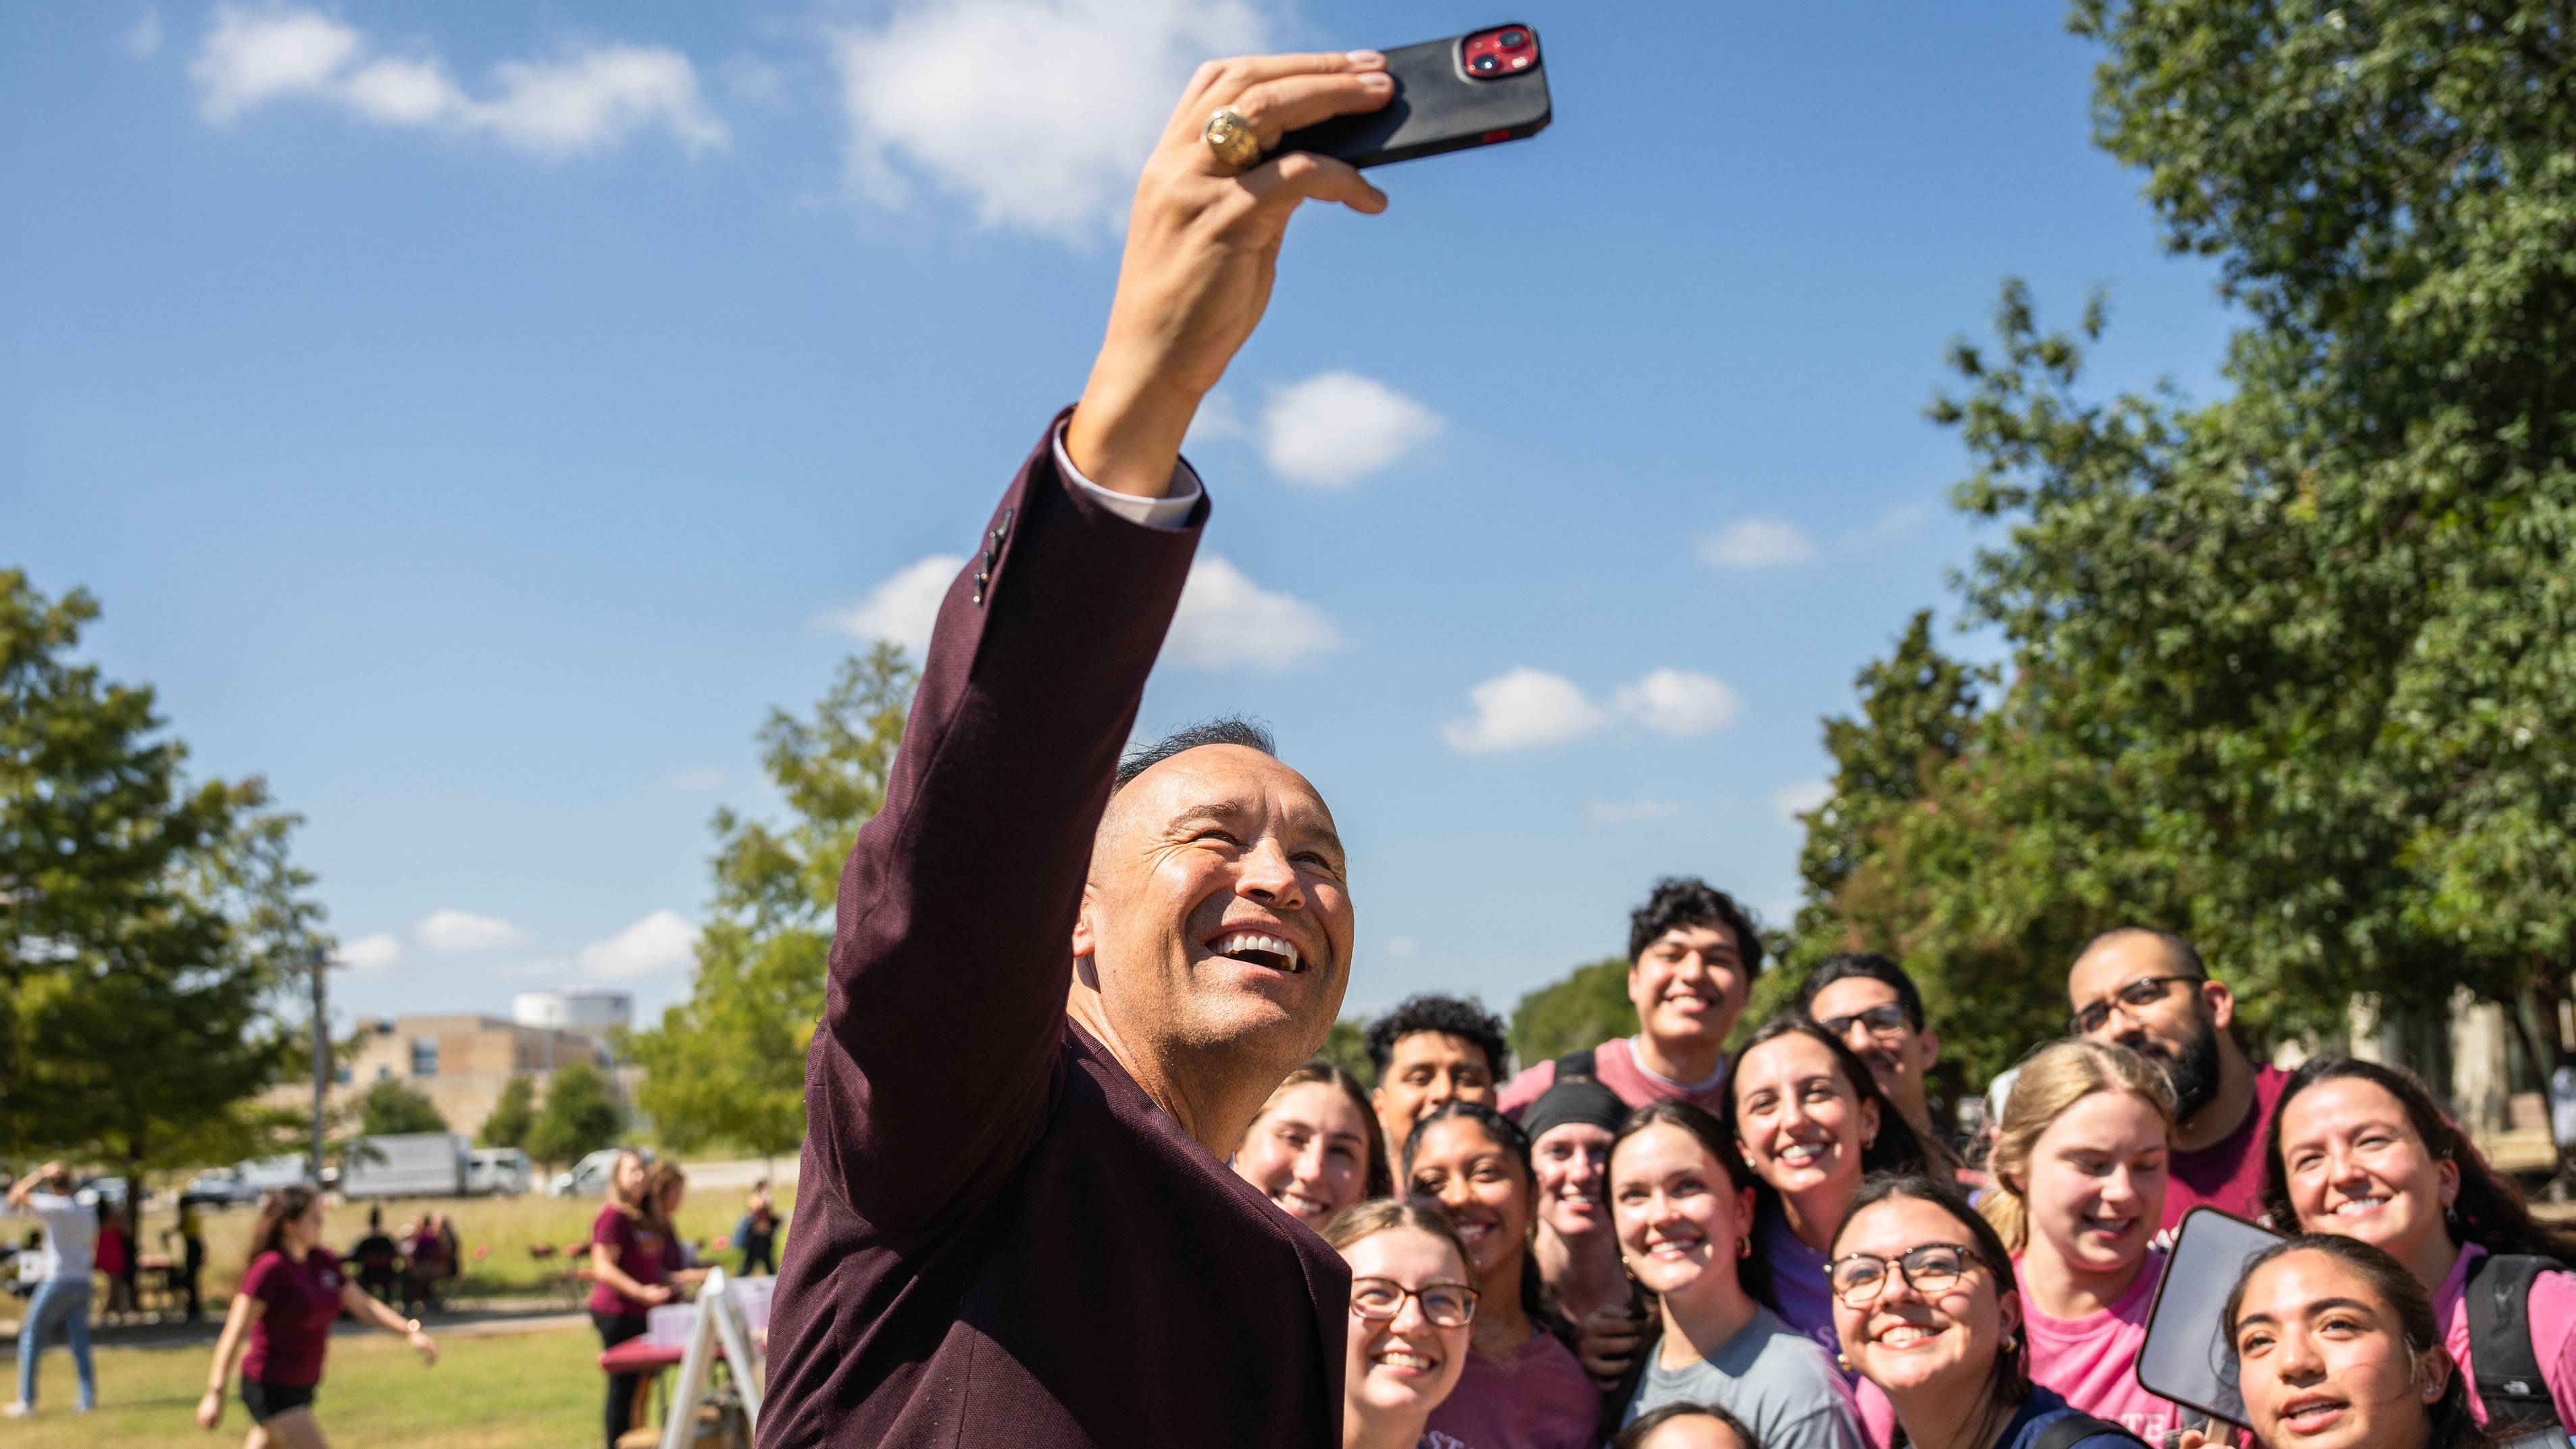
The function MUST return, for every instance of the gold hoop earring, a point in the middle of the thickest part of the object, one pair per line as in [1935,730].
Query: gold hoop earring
[1744,1248]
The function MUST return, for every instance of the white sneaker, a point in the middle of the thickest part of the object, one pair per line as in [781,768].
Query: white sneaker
[19,1409]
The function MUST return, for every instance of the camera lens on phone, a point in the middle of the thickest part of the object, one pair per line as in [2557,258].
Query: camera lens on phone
[1513,39]
[1485,65]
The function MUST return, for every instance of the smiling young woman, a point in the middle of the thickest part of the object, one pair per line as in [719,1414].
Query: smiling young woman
[1522,1387]
[1927,1311]
[1314,1149]
[1810,1119]
[1412,1314]
[2079,1185]
[2336,1348]
[2359,1150]
[1681,1200]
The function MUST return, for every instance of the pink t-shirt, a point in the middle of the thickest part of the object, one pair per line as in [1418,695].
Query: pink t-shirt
[2092,1362]
[1542,1399]
[2553,1331]
[2228,1173]
[1614,1065]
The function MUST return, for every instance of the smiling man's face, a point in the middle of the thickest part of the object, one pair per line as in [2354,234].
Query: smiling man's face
[1216,915]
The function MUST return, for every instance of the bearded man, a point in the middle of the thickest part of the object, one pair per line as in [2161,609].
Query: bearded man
[2148,991]
[1060,990]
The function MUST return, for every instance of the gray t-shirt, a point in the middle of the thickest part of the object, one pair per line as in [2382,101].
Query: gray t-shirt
[1769,1375]
[70,1232]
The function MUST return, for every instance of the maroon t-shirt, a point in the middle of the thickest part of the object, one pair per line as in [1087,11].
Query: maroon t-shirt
[303,1302]
[1001,1239]
[639,1248]
[2228,1173]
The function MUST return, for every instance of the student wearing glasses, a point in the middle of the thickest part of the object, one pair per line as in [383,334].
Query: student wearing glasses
[1412,1314]
[1928,1314]
[1872,1005]
[2148,991]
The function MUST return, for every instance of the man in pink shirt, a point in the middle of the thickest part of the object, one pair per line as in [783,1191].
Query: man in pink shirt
[2148,991]
[1692,956]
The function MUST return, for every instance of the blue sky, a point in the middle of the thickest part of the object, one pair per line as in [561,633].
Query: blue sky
[475,418]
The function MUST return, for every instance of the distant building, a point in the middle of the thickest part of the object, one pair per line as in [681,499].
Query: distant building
[460,1061]
[592,1013]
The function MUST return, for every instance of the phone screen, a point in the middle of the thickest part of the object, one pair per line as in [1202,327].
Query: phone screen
[2186,1357]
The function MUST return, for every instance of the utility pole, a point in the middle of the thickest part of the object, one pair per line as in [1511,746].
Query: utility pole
[321,1061]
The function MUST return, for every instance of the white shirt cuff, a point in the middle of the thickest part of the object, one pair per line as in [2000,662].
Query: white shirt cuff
[1171,511]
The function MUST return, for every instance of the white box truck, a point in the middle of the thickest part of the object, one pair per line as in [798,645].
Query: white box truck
[501,1171]
[408,1164]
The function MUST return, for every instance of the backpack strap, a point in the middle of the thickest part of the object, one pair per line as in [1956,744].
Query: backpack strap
[1577,1064]
[2498,1297]
[2075,1428]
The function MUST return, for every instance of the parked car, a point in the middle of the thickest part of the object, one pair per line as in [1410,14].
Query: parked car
[496,1171]
[404,1164]
[221,1187]
[589,1177]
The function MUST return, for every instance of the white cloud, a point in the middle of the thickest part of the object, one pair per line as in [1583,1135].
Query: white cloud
[904,607]
[369,953]
[143,39]
[1680,702]
[706,779]
[584,100]
[1037,112]
[455,932]
[1632,812]
[1902,519]
[1755,543]
[1791,801]
[1217,420]
[1400,947]
[1226,620]
[1522,709]
[1336,427]
[660,943]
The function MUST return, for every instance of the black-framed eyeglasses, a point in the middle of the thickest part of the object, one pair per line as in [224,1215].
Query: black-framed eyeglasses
[2131,999]
[1888,1018]
[1932,1268]
[1447,1305]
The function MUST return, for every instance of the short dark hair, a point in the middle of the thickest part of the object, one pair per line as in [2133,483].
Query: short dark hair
[1689,901]
[1446,1015]
[2178,947]
[1869,965]
[1643,1427]
[1229,729]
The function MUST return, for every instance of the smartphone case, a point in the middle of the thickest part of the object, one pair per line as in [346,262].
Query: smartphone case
[2186,1357]
[1438,107]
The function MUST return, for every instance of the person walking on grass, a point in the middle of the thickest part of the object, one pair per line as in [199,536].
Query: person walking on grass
[292,1294]
[62,1292]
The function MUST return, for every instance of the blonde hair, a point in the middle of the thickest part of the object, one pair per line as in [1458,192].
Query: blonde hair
[2052,1080]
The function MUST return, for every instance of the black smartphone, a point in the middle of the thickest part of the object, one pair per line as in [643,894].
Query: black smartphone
[2187,1357]
[1477,89]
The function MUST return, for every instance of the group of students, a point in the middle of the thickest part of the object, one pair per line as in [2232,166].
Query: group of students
[1652,1243]
[411,1263]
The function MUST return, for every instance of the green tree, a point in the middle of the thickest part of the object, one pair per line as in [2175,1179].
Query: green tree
[581,1115]
[1586,1007]
[1346,1046]
[391,1106]
[512,1116]
[728,1064]
[147,925]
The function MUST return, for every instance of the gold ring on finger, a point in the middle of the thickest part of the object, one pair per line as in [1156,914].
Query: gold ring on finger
[1229,134]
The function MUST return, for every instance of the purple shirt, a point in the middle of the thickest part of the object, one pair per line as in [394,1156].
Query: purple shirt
[1001,1239]
[302,1301]
[1541,1399]
[2228,1173]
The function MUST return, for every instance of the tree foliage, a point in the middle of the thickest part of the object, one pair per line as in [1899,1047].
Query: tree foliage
[513,1114]
[1585,1007]
[728,1064]
[148,925]
[581,1115]
[2293,671]
[391,1106]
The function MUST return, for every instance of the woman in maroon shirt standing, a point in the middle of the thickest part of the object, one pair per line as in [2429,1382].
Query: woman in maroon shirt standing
[295,1290]
[629,1243]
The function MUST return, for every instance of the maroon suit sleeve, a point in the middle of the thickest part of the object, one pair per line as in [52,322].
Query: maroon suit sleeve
[944,1013]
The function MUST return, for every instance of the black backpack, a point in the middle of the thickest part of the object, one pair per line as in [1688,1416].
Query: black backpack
[2066,1433]
[2520,1413]
[1576,1064]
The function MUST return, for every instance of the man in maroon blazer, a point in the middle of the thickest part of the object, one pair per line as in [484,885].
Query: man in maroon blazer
[1052,1011]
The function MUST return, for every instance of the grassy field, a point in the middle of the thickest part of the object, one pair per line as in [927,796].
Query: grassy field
[515,1390]
[497,1235]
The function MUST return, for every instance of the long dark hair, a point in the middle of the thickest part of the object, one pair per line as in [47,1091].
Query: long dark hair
[2453,1425]
[1895,1150]
[2008,1382]
[268,1234]
[1536,1301]
[1753,1272]
[2489,1210]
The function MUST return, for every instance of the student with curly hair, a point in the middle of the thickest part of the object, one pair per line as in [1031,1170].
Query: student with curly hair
[1429,1051]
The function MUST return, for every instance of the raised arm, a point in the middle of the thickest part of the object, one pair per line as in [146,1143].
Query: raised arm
[950,960]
